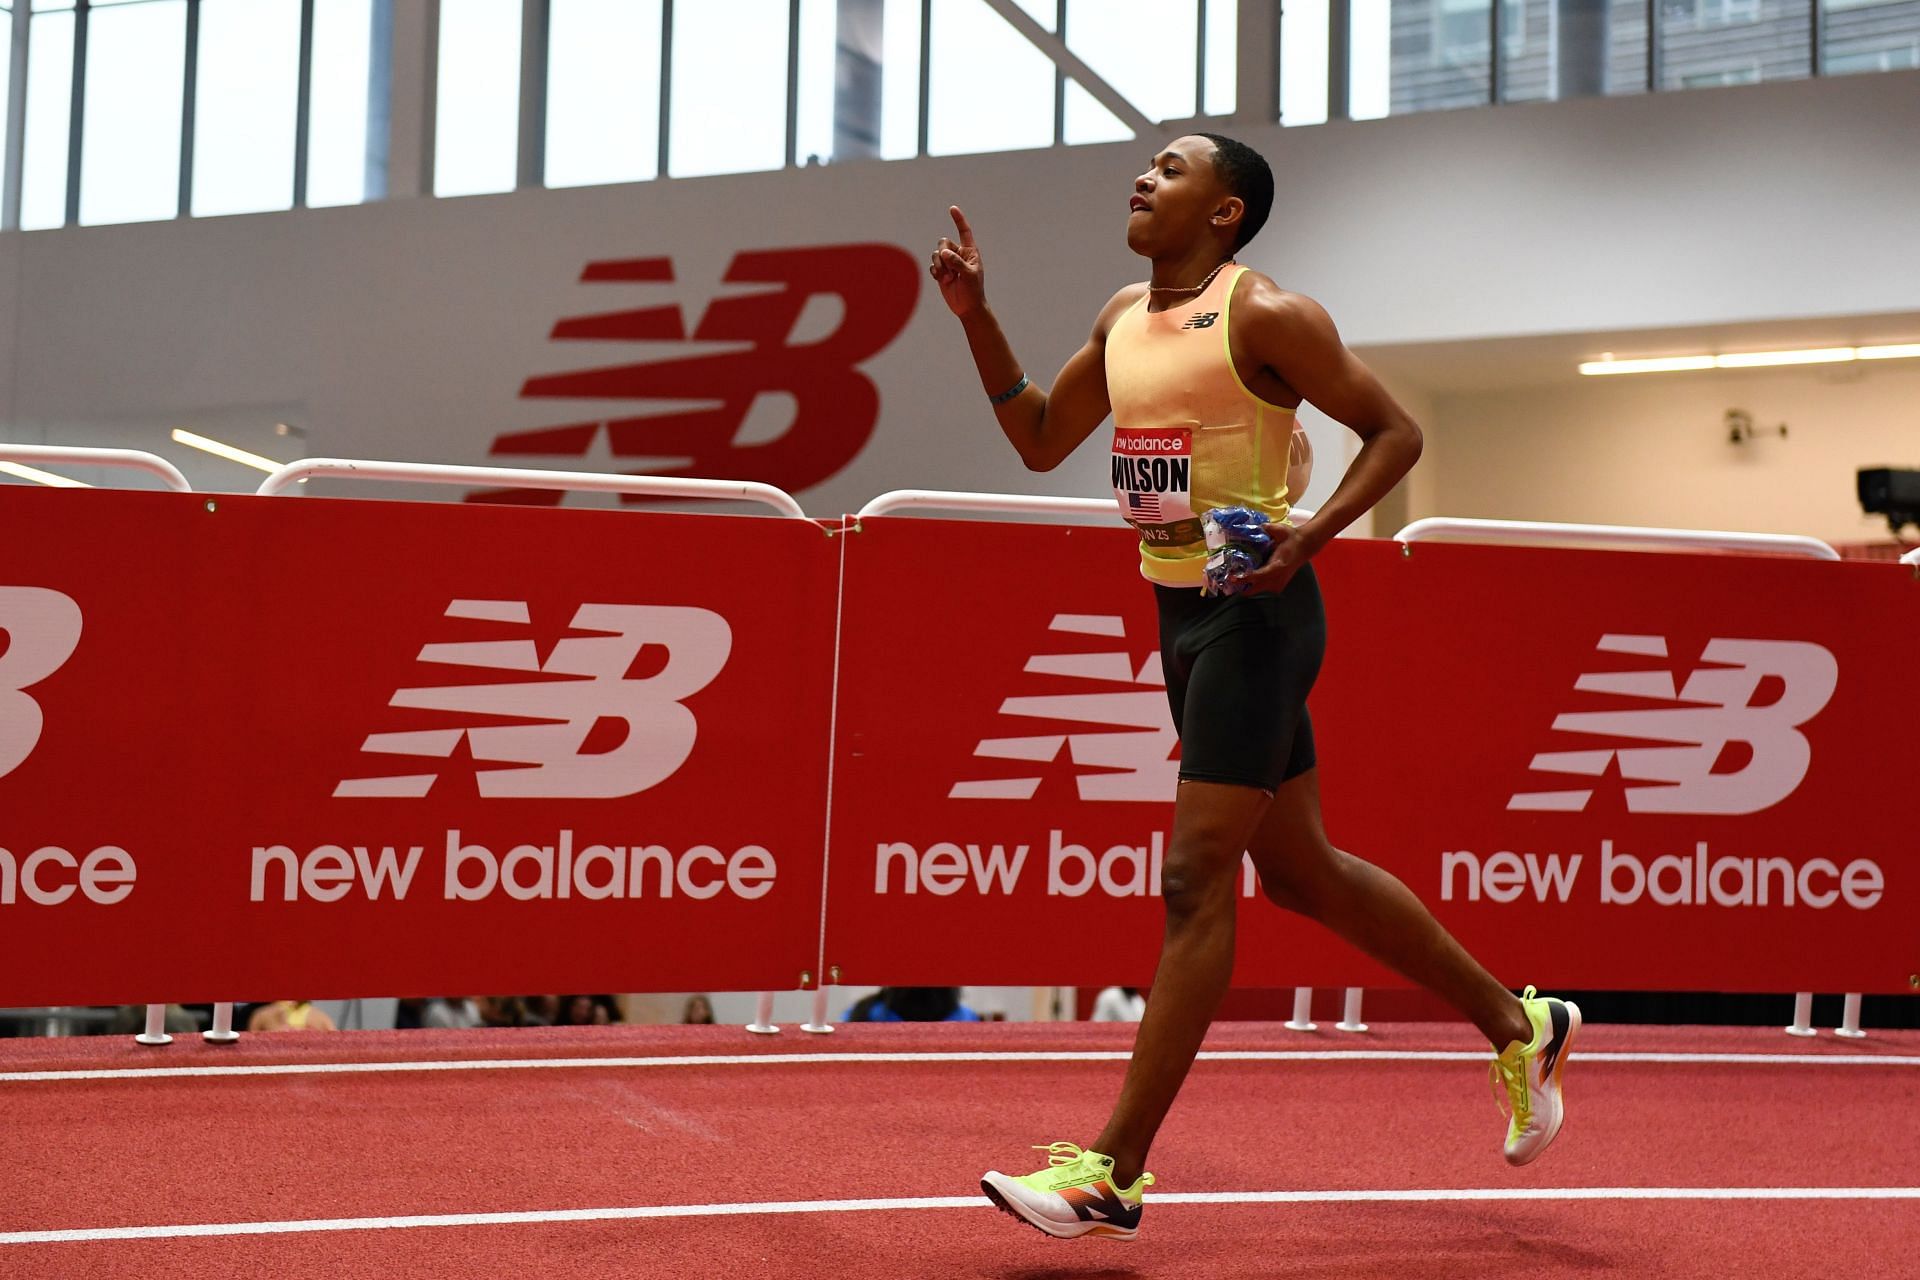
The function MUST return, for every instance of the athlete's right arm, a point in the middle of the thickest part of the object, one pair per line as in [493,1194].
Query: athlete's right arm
[1044,426]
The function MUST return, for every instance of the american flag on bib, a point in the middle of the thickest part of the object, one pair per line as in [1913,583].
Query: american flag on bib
[1144,506]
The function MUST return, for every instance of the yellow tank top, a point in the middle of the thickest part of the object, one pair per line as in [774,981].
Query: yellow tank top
[1188,435]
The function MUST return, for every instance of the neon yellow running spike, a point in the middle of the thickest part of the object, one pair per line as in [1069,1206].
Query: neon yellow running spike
[1530,1075]
[1075,1195]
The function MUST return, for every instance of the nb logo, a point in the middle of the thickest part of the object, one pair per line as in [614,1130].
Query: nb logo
[586,683]
[835,406]
[1713,710]
[42,630]
[1204,320]
[1132,761]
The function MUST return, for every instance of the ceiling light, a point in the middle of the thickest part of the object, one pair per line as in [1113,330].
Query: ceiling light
[43,477]
[1749,359]
[1662,364]
[1766,359]
[227,451]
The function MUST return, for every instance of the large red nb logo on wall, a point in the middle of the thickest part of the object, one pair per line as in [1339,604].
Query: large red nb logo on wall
[836,406]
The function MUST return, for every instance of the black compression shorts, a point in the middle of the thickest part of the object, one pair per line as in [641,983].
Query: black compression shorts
[1238,671]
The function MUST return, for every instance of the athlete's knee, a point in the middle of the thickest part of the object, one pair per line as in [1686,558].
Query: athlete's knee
[1196,884]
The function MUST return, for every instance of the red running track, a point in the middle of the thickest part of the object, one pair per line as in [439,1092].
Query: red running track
[750,1156]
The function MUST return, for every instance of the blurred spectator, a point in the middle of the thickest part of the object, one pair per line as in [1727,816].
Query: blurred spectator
[451,1013]
[409,1013]
[588,1011]
[912,1004]
[502,1011]
[543,1011]
[289,1015]
[699,1012]
[1119,1004]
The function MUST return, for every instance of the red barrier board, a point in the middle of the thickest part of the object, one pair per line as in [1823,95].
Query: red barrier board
[261,748]
[1612,770]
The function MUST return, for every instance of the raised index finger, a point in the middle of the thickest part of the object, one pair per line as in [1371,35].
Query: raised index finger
[965,228]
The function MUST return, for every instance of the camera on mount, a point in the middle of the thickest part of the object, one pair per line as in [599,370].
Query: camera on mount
[1893,492]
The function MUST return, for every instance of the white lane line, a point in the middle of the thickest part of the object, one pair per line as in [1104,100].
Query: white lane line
[89,1235]
[805,1059]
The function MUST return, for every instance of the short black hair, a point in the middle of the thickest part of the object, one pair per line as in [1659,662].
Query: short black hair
[1244,173]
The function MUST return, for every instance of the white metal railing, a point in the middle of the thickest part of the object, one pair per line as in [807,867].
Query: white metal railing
[528,478]
[130,459]
[1531,531]
[998,503]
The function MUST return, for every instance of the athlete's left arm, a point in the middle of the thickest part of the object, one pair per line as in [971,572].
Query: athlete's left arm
[1295,338]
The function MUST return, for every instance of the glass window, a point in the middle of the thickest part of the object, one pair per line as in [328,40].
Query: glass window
[603,91]
[337,119]
[477,120]
[1146,49]
[1626,46]
[136,75]
[43,187]
[1222,34]
[1440,53]
[1715,42]
[973,46]
[1870,35]
[819,51]
[246,90]
[900,80]
[1370,58]
[729,111]
[6,52]
[1303,61]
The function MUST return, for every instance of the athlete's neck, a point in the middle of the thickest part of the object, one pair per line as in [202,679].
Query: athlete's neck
[1178,274]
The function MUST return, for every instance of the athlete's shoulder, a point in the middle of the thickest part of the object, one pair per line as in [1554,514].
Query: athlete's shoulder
[1261,304]
[1256,292]
[1118,305]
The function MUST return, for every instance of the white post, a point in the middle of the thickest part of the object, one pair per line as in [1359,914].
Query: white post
[762,1024]
[1350,1017]
[818,1025]
[1302,1019]
[1802,1015]
[223,1032]
[156,1032]
[1849,1027]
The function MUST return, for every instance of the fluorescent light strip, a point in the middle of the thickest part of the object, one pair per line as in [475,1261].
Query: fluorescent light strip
[1662,364]
[1750,359]
[219,450]
[43,477]
[1767,359]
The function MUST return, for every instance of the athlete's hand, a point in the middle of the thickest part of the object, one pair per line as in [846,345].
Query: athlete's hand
[1291,549]
[956,268]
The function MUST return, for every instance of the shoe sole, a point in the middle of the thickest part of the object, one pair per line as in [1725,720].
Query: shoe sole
[1053,1230]
[1559,1074]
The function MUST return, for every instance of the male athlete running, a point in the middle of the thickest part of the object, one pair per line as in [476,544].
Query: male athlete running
[1202,369]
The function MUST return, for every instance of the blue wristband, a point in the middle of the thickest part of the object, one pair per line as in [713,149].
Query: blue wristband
[1011,391]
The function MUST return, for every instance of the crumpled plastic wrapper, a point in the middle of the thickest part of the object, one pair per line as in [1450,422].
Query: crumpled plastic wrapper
[1237,544]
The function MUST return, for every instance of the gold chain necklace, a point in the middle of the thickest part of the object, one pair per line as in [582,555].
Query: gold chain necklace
[1197,288]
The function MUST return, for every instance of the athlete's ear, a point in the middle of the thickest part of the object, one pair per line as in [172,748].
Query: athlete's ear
[1229,213]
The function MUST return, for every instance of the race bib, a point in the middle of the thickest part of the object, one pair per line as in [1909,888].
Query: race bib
[1153,483]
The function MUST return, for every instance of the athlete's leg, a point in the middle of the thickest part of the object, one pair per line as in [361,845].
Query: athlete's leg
[1212,822]
[1301,871]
